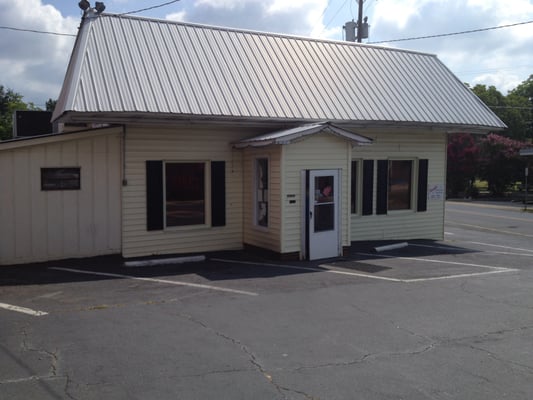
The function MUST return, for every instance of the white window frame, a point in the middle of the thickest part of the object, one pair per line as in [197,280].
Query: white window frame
[413,184]
[256,192]
[207,195]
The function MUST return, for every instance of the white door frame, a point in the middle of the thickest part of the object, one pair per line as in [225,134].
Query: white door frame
[321,222]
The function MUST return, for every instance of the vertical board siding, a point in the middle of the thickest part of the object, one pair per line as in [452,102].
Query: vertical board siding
[46,225]
[404,225]
[196,144]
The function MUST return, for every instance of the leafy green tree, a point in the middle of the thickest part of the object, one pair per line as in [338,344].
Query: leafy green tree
[51,105]
[9,102]
[491,96]
[525,89]
[513,109]
[522,95]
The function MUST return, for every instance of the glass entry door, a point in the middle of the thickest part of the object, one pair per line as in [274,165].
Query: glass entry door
[323,214]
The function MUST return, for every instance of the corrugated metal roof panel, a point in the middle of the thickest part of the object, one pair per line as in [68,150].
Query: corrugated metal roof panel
[123,64]
[291,135]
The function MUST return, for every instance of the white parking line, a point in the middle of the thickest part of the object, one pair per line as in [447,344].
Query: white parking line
[430,260]
[334,269]
[502,247]
[494,270]
[481,244]
[23,310]
[483,228]
[165,281]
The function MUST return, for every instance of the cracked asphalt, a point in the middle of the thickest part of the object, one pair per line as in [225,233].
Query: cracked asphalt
[434,320]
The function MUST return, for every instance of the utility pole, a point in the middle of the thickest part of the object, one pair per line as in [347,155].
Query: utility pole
[360,22]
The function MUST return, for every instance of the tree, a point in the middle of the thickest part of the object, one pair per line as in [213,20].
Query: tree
[524,92]
[51,105]
[462,166]
[500,162]
[525,89]
[9,102]
[513,109]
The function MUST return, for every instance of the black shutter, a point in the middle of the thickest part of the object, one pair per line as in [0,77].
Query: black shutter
[154,195]
[382,187]
[218,193]
[422,203]
[368,186]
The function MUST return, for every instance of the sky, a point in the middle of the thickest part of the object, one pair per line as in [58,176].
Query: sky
[34,64]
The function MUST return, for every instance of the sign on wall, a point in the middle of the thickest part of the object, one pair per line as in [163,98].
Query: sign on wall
[436,191]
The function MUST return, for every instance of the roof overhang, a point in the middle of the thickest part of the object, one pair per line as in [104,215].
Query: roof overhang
[288,136]
[170,119]
[527,152]
[57,137]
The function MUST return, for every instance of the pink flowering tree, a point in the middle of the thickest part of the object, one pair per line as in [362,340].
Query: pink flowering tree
[463,164]
[500,162]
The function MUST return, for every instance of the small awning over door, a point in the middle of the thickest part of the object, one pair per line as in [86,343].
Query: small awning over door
[292,135]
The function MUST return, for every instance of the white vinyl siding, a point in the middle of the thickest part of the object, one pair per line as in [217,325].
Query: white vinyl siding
[263,237]
[42,225]
[406,224]
[322,151]
[180,145]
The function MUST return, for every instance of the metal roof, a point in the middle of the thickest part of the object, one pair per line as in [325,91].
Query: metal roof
[292,135]
[123,65]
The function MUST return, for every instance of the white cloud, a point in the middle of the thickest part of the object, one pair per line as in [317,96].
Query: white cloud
[298,17]
[34,64]
[499,57]
[177,16]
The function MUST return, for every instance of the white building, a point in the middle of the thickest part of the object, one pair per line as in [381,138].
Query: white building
[182,138]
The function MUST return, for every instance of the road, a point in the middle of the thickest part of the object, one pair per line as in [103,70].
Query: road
[503,226]
[435,320]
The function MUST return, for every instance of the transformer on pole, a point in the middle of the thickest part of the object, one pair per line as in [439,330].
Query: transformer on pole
[356,31]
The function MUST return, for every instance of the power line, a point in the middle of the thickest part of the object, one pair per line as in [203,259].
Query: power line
[511,107]
[150,8]
[332,18]
[36,31]
[453,33]
[368,6]
[73,35]
[325,9]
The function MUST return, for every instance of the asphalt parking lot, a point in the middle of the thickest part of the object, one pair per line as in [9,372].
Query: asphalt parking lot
[433,320]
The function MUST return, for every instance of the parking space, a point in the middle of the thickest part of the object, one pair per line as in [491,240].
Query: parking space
[238,273]
[431,320]
[106,282]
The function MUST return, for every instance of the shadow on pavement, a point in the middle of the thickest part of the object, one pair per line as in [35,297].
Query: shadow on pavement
[236,265]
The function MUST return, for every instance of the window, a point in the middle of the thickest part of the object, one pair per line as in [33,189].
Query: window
[185,194]
[261,192]
[185,186]
[400,184]
[60,178]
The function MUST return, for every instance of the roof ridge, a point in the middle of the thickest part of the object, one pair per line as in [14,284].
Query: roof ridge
[264,33]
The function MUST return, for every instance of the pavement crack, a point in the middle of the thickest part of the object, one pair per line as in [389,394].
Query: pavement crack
[52,355]
[252,359]
[68,383]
